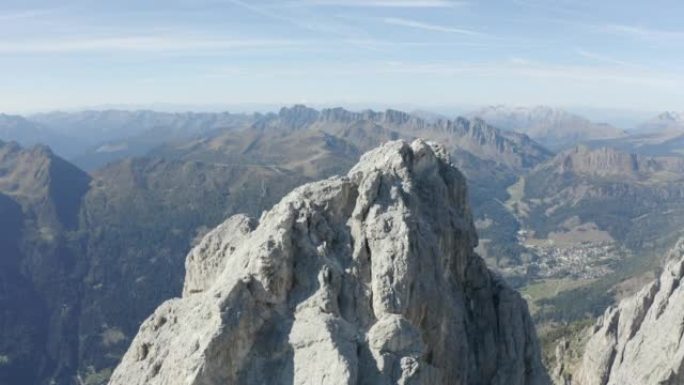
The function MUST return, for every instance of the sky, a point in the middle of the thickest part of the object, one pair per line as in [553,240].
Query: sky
[608,54]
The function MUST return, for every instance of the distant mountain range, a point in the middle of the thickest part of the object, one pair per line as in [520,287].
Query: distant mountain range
[662,135]
[93,138]
[667,122]
[75,238]
[129,224]
[554,128]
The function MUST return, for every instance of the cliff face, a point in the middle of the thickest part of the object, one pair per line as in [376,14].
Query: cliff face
[640,341]
[610,163]
[365,279]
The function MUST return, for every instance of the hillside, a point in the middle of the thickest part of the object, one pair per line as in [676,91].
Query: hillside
[597,217]
[41,197]
[632,191]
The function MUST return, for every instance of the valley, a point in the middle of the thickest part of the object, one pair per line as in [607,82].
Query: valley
[557,226]
[341,192]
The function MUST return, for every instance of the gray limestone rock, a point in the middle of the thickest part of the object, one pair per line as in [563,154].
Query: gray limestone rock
[640,341]
[365,279]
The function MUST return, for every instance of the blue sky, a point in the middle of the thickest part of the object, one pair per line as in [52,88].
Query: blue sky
[424,53]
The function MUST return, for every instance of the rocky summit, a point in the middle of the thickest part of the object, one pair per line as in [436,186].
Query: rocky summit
[369,278]
[640,341]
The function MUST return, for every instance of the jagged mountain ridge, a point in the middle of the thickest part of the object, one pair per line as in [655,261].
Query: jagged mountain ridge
[367,129]
[490,158]
[369,278]
[93,138]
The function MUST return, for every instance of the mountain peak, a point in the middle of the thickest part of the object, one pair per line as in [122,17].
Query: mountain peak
[297,116]
[368,278]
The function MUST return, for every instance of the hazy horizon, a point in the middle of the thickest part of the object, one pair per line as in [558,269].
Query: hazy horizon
[425,53]
[623,118]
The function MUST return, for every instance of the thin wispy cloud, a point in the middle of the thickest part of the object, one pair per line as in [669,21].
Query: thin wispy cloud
[24,14]
[602,58]
[519,68]
[308,23]
[429,26]
[555,7]
[399,44]
[644,33]
[382,3]
[137,44]
[356,48]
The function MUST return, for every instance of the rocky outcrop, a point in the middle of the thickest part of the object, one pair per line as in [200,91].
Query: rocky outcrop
[640,341]
[209,258]
[365,279]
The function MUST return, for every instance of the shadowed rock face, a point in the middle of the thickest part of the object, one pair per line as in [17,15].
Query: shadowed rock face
[365,279]
[40,200]
[640,341]
[21,314]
